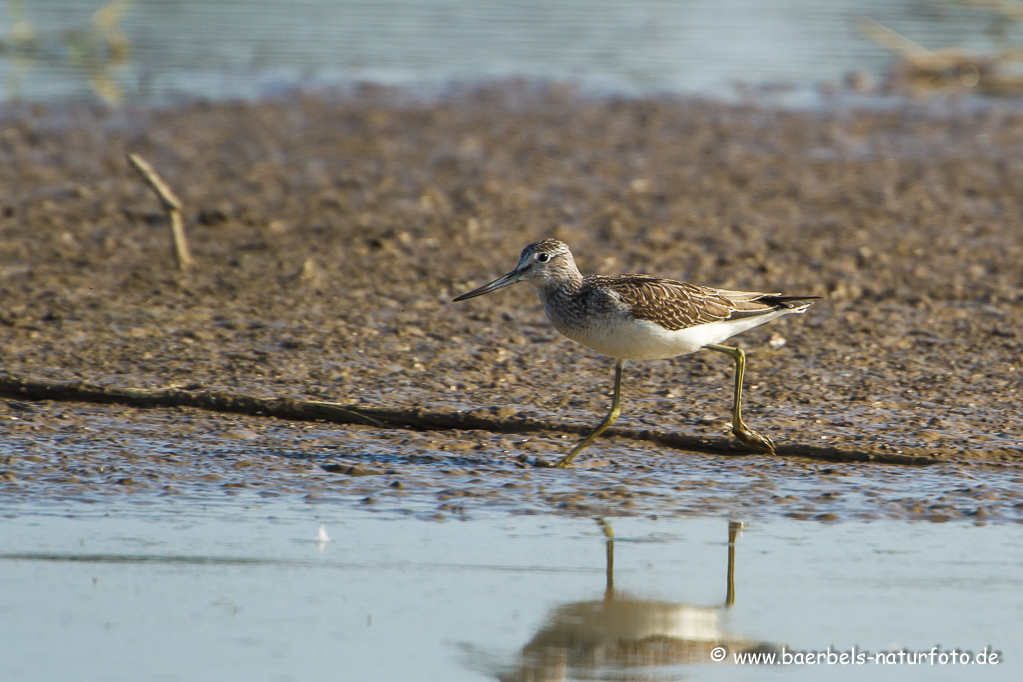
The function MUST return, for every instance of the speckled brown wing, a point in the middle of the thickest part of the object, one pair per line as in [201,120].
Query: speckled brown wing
[678,305]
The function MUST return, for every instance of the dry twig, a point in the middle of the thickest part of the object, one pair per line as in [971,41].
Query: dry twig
[893,40]
[171,204]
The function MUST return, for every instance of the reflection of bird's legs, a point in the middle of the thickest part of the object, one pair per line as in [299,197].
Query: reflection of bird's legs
[608,420]
[609,533]
[739,428]
[733,532]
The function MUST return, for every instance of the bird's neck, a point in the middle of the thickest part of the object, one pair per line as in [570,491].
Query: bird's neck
[558,294]
[568,283]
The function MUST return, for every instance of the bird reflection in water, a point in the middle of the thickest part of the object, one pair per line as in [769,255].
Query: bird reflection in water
[623,638]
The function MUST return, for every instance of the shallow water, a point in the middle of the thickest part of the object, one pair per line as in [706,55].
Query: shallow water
[240,590]
[251,47]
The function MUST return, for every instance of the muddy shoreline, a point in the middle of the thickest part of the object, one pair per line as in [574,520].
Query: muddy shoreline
[331,233]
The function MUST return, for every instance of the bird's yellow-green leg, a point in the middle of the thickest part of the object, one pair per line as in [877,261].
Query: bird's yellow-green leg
[608,420]
[739,428]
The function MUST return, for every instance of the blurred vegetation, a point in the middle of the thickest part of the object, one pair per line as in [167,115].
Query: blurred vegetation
[918,69]
[93,50]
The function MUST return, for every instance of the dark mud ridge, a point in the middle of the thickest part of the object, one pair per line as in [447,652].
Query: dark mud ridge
[495,420]
[330,233]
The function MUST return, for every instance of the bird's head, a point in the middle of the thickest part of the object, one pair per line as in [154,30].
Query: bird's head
[543,264]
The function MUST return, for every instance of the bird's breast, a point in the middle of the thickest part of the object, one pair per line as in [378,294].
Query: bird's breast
[605,324]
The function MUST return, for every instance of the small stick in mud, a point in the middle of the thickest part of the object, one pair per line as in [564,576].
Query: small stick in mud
[171,204]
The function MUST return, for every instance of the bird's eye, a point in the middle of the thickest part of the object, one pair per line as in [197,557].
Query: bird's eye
[543,257]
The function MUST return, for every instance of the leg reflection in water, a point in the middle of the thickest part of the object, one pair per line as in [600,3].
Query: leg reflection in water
[622,637]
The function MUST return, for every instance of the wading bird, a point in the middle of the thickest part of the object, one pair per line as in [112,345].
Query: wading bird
[639,317]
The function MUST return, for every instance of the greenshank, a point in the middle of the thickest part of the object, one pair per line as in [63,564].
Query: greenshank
[639,317]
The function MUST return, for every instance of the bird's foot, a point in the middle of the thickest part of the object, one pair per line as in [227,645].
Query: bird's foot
[753,439]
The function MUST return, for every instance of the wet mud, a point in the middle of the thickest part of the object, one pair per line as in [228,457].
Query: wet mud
[331,231]
[59,452]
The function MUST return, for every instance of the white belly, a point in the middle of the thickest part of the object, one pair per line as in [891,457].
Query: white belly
[630,339]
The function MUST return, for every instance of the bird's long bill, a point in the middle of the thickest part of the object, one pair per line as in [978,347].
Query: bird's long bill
[511,278]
